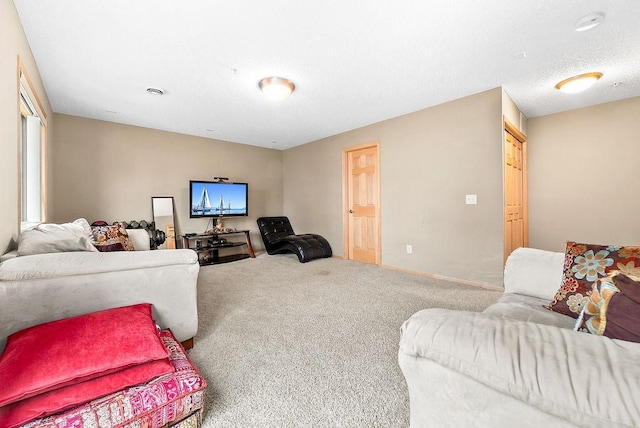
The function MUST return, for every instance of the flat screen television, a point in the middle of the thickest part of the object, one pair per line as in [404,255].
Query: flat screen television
[217,199]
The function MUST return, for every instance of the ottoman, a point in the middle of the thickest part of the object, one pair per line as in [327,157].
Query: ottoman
[173,400]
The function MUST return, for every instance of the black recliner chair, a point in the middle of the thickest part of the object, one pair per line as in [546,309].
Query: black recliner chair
[278,237]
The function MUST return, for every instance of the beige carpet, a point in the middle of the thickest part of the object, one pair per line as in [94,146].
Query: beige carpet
[286,344]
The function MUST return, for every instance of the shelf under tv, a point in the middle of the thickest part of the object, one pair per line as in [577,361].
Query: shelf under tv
[208,247]
[216,258]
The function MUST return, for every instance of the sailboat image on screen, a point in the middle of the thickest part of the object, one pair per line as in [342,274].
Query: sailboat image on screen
[232,202]
[204,205]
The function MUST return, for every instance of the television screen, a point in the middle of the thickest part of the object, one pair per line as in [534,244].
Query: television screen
[217,199]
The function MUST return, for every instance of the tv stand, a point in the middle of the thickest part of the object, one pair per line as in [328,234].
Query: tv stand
[208,247]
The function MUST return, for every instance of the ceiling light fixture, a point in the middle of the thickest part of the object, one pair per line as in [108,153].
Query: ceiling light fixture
[276,88]
[578,83]
[155,91]
[588,22]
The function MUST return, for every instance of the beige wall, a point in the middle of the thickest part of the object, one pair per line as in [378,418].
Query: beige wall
[512,113]
[110,171]
[583,176]
[14,44]
[430,160]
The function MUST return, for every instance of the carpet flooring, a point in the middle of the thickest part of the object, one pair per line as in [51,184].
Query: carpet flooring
[286,344]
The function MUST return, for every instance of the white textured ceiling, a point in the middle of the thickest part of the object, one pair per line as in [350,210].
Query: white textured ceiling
[353,62]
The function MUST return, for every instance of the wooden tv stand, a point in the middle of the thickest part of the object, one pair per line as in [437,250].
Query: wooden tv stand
[208,247]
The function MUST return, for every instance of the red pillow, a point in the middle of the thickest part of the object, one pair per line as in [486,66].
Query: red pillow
[49,403]
[73,350]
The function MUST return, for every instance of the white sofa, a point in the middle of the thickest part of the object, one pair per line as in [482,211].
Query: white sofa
[517,364]
[46,287]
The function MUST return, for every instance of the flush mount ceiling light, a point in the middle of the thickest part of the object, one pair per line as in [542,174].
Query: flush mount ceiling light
[578,83]
[276,88]
[155,91]
[588,22]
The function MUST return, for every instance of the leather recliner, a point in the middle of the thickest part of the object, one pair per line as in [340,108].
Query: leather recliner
[278,237]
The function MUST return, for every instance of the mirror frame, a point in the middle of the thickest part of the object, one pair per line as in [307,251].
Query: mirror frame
[160,221]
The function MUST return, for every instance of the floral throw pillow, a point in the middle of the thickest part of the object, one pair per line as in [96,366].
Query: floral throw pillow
[584,264]
[613,308]
[111,238]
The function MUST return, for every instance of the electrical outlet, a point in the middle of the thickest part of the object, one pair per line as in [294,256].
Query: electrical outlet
[409,249]
[471,199]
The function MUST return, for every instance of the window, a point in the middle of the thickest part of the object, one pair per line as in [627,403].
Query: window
[31,148]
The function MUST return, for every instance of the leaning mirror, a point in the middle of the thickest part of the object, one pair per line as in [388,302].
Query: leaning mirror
[162,207]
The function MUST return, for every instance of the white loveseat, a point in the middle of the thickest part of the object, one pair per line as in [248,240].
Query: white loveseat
[46,287]
[518,364]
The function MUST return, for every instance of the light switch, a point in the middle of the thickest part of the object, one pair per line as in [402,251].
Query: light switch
[471,199]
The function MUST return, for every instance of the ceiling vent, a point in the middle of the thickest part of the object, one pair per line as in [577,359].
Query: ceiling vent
[588,22]
[155,91]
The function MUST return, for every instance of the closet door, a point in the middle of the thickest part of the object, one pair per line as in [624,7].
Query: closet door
[515,190]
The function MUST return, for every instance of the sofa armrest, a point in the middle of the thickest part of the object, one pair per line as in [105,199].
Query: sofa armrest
[61,265]
[533,272]
[591,381]
[140,239]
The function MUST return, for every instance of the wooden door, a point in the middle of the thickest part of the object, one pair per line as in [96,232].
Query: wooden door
[515,210]
[171,237]
[362,203]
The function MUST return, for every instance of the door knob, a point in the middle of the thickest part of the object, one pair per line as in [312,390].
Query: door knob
[350,211]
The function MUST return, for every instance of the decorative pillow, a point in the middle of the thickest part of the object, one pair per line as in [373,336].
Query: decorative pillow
[613,308]
[49,403]
[583,265]
[65,352]
[602,290]
[111,238]
[56,238]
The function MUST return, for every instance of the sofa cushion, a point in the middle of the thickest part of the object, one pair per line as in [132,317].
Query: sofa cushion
[111,238]
[68,351]
[590,381]
[584,264]
[9,255]
[55,238]
[613,309]
[520,307]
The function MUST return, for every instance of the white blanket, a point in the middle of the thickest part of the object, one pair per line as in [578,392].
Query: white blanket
[589,380]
